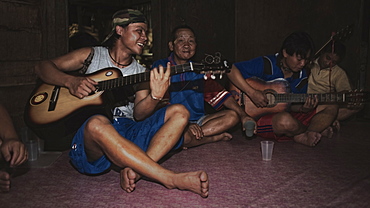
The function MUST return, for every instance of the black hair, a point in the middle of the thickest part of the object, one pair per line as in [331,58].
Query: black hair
[299,43]
[339,49]
[111,40]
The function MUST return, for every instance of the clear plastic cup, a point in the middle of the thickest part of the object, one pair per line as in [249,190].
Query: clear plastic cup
[267,148]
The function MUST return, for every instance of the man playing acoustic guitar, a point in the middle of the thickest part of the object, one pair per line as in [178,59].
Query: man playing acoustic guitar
[138,136]
[306,123]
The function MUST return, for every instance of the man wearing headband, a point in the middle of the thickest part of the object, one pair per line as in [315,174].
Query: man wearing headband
[139,136]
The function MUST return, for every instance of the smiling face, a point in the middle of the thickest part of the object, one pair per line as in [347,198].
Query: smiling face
[133,37]
[295,62]
[183,46]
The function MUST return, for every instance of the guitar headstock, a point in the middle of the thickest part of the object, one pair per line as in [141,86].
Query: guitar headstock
[356,99]
[344,33]
[213,64]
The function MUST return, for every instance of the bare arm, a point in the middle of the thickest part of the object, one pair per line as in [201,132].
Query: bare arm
[12,149]
[145,100]
[53,72]
[258,98]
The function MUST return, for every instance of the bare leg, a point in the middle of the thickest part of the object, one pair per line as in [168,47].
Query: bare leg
[345,113]
[163,141]
[325,116]
[214,128]
[284,124]
[101,138]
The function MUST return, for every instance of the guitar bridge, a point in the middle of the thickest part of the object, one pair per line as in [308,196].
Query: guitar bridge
[54,98]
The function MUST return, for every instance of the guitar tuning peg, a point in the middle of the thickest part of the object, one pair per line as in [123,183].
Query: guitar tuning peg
[221,76]
[205,77]
[213,76]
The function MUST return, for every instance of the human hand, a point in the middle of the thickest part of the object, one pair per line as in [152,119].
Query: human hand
[310,104]
[248,118]
[14,152]
[259,98]
[196,130]
[81,86]
[160,81]
[4,181]
[249,125]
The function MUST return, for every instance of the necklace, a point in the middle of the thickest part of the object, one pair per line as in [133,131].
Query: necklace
[117,61]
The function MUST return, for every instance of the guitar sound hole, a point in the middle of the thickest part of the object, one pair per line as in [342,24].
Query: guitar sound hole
[271,99]
[39,98]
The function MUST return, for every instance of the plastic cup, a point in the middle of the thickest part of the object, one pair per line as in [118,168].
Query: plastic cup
[267,147]
[33,150]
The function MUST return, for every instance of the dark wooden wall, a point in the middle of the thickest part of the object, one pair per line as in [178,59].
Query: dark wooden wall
[212,21]
[32,30]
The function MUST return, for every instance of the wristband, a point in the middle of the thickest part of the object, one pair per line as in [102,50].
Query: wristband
[155,98]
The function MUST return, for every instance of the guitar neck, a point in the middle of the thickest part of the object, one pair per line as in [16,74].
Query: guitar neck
[301,98]
[140,77]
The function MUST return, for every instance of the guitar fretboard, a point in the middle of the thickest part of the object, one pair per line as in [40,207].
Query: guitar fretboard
[142,77]
[301,98]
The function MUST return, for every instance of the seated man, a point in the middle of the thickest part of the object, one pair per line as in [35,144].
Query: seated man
[307,125]
[12,151]
[326,76]
[191,90]
[138,137]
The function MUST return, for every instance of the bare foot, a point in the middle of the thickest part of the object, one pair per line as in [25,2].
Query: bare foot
[128,179]
[192,142]
[222,137]
[196,182]
[4,181]
[336,125]
[328,132]
[309,138]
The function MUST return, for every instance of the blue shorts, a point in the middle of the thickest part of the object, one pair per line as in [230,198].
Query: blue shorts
[199,121]
[140,133]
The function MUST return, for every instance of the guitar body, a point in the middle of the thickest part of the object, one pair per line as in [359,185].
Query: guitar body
[270,88]
[69,112]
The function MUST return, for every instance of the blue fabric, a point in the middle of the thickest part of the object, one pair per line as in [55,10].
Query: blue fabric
[255,68]
[140,133]
[189,94]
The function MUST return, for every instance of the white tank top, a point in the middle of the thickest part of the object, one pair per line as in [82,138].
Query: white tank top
[102,60]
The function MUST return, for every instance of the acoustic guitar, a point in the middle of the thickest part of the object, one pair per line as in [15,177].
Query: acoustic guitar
[52,110]
[279,98]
